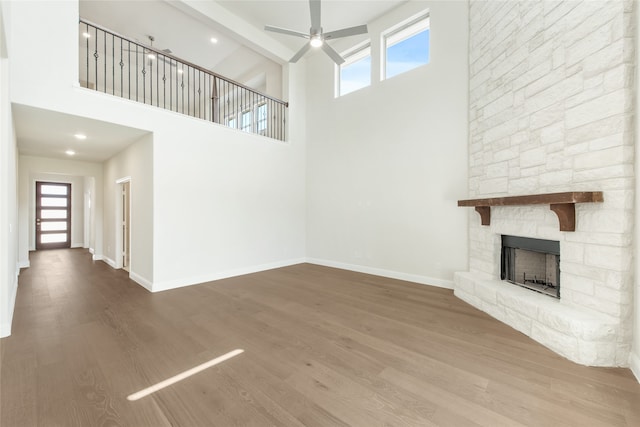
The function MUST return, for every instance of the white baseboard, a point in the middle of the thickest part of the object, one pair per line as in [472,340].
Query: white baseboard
[179,283]
[423,280]
[634,364]
[147,284]
[106,259]
[5,326]
[77,245]
[91,251]
[24,264]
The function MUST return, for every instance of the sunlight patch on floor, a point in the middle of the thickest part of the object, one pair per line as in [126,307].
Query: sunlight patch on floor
[181,376]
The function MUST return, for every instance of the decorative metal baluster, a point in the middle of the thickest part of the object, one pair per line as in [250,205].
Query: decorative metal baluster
[137,78]
[144,77]
[129,67]
[121,71]
[96,56]
[164,83]
[151,80]
[104,50]
[87,31]
[113,64]
[182,89]
[199,90]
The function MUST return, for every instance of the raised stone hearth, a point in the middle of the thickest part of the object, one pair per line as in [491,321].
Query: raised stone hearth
[581,335]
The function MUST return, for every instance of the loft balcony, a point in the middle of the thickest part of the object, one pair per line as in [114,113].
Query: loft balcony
[116,65]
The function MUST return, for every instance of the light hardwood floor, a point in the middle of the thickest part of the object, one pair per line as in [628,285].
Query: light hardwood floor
[323,347]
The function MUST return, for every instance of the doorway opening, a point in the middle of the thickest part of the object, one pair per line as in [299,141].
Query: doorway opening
[53,215]
[123,224]
[126,237]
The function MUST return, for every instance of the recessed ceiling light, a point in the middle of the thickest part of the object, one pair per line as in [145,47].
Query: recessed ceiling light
[180,71]
[86,35]
[214,40]
[80,136]
[70,152]
[151,56]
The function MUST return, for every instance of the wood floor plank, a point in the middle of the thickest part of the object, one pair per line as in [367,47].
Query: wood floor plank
[322,347]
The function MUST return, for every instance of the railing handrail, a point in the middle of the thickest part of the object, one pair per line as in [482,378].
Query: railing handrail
[182,61]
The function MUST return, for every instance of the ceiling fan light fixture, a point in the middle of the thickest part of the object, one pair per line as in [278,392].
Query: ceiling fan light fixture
[316,41]
[316,36]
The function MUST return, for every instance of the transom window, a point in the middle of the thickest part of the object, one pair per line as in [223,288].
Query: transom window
[406,46]
[355,72]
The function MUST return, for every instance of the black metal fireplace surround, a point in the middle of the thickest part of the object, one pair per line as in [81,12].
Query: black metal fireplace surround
[531,263]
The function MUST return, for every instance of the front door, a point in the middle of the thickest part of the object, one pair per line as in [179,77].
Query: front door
[53,215]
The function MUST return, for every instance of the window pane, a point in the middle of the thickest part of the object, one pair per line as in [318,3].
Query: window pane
[54,201]
[355,75]
[53,214]
[59,190]
[262,118]
[246,121]
[408,54]
[53,238]
[53,226]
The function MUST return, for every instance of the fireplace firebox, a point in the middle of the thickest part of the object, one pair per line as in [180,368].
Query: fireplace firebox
[531,263]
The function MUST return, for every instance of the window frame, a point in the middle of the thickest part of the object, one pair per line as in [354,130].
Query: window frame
[231,121]
[351,56]
[257,118]
[246,113]
[400,32]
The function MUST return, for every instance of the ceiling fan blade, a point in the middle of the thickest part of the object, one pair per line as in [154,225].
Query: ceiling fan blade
[300,53]
[346,32]
[332,53]
[314,7]
[286,31]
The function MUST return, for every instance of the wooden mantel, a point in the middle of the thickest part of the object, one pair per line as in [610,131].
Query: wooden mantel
[563,204]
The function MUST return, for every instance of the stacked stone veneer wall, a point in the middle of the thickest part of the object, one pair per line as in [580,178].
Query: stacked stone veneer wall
[551,100]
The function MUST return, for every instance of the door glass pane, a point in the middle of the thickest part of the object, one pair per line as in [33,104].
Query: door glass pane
[54,201]
[54,238]
[53,214]
[60,190]
[53,226]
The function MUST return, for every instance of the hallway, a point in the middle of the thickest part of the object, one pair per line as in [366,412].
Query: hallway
[322,347]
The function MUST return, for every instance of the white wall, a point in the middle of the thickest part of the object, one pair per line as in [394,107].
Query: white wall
[387,163]
[33,168]
[224,202]
[8,201]
[634,357]
[135,163]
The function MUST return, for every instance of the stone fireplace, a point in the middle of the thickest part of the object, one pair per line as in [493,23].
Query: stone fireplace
[551,95]
[587,324]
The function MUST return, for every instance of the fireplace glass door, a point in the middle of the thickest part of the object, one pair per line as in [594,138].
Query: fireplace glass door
[531,263]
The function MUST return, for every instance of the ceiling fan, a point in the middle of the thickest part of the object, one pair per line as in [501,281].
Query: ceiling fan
[151,55]
[316,36]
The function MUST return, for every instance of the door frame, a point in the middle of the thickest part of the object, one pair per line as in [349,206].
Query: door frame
[37,244]
[119,218]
